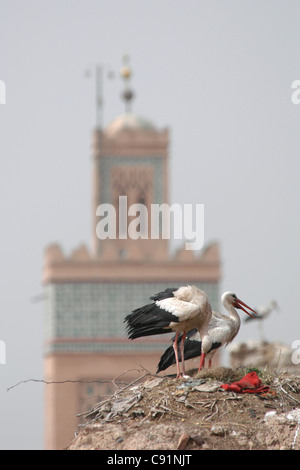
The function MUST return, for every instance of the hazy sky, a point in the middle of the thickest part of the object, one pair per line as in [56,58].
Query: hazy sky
[219,75]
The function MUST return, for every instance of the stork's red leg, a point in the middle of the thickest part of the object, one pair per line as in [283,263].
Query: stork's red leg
[202,361]
[176,356]
[182,352]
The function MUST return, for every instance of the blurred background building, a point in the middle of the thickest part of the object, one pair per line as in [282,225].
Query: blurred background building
[89,293]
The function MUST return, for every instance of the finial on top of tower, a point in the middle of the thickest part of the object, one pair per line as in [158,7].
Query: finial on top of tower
[126,74]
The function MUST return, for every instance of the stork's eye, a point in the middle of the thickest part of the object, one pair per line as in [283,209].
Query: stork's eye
[234,296]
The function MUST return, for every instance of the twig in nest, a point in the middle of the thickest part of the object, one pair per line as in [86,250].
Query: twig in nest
[58,382]
[148,372]
[190,405]
[87,381]
[208,417]
[226,413]
[290,396]
[120,375]
[154,409]
[172,411]
[117,392]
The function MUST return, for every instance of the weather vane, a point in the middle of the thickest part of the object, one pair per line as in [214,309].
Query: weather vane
[126,74]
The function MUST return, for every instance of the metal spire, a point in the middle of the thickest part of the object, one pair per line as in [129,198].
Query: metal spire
[99,96]
[99,101]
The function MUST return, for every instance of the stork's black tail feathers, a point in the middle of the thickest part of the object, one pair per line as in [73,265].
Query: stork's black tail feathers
[192,348]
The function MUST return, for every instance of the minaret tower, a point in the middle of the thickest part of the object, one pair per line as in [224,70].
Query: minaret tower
[130,161]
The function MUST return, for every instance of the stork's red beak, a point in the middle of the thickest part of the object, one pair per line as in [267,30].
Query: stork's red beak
[241,305]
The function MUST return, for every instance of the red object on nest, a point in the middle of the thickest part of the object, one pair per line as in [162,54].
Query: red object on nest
[250,383]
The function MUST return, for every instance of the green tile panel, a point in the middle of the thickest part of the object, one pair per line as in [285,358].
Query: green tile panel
[83,311]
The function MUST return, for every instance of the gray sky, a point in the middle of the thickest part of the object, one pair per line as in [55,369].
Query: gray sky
[219,75]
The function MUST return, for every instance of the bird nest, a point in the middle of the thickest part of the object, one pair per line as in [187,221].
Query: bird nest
[195,413]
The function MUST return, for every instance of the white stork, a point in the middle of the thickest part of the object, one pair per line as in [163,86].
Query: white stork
[263,312]
[175,309]
[222,329]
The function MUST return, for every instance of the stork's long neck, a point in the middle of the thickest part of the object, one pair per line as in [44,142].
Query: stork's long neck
[233,315]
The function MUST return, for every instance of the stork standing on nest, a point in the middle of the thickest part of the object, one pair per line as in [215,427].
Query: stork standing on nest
[175,309]
[222,329]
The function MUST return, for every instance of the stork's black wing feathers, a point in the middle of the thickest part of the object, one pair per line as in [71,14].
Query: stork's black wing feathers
[192,348]
[149,320]
[166,294]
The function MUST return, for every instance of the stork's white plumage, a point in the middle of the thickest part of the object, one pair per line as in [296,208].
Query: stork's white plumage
[222,329]
[175,309]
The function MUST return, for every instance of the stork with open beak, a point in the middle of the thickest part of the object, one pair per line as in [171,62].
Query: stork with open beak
[175,309]
[222,329]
